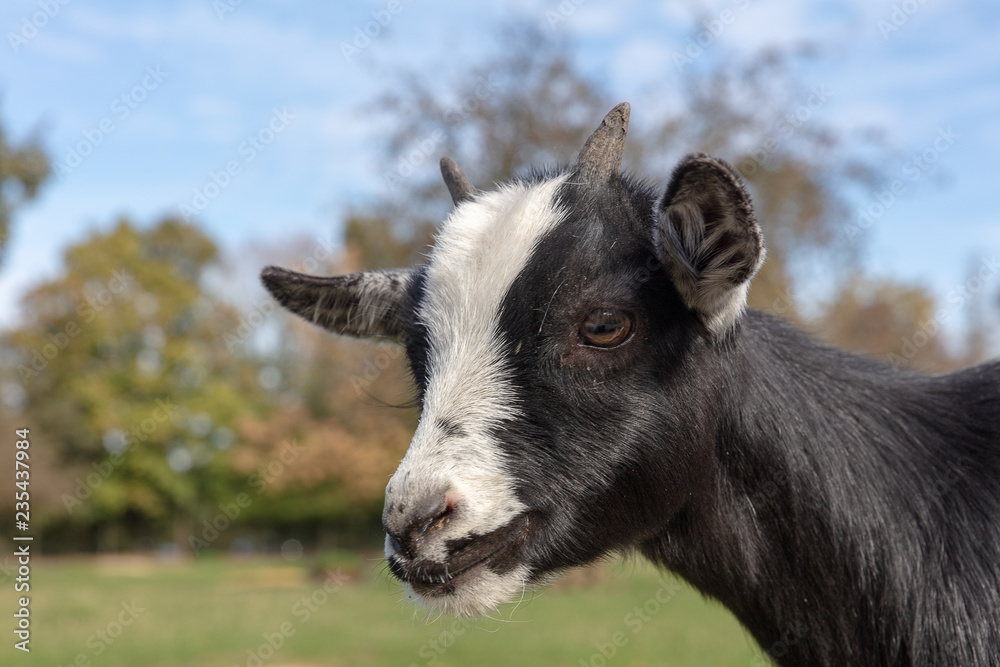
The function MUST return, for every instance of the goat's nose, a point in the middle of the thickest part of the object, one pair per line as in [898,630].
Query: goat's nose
[408,524]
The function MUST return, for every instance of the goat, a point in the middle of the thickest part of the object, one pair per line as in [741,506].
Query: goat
[591,380]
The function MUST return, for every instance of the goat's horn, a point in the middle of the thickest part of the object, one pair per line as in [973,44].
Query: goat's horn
[601,157]
[458,185]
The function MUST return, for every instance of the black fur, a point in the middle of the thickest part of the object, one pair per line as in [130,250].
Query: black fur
[848,513]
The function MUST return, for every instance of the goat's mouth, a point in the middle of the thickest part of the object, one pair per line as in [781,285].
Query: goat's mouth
[469,560]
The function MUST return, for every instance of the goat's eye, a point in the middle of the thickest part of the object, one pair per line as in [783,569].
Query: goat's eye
[605,328]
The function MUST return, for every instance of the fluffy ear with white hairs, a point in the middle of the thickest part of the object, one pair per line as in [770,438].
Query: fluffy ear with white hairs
[709,239]
[365,305]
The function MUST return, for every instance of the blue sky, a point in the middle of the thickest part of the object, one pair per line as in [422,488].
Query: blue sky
[163,95]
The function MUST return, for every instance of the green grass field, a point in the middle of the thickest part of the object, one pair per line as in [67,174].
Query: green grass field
[137,612]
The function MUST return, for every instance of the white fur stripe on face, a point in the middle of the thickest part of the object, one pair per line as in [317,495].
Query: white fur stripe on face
[482,248]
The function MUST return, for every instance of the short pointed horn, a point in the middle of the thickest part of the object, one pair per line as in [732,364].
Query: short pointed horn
[458,185]
[601,157]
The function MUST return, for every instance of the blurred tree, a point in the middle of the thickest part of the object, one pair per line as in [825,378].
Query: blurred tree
[529,105]
[888,321]
[322,456]
[373,243]
[758,115]
[124,369]
[973,297]
[321,467]
[23,170]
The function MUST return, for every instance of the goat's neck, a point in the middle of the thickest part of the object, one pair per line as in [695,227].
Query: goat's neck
[794,536]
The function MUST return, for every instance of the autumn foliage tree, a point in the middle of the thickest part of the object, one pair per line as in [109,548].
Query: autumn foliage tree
[343,415]
[121,366]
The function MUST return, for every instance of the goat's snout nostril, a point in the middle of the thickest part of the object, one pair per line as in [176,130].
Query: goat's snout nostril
[439,520]
[406,530]
[395,545]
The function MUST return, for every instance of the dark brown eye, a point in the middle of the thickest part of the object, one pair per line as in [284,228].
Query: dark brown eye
[603,327]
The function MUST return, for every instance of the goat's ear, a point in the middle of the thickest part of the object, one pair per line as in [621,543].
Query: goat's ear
[366,305]
[709,240]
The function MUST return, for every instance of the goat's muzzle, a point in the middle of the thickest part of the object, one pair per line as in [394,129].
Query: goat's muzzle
[420,553]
